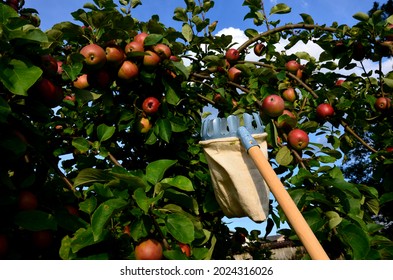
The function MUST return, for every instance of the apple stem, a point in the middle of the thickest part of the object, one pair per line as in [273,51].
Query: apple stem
[157,226]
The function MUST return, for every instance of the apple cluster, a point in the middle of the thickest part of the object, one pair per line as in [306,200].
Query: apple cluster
[104,65]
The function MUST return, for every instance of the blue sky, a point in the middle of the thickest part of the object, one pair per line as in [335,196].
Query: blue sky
[229,14]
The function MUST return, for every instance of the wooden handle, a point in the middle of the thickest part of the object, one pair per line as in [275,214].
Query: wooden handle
[295,218]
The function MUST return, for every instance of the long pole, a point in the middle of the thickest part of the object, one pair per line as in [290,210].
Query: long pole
[295,218]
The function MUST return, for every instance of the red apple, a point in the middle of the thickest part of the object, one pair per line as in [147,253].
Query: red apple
[42,239]
[3,245]
[48,93]
[382,104]
[59,67]
[234,74]
[175,58]
[49,65]
[287,123]
[99,79]
[289,94]
[144,125]
[389,149]
[339,82]
[298,139]
[81,82]
[324,111]
[258,49]
[141,37]
[299,74]
[72,210]
[150,105]
[95,56]
[70,98]
[232,55]
[128,70]
[185,248]
[163,51]
[148,250]
[292,66]
[114,54]
[134,46]
[151,59]
[273,106]
[27,201]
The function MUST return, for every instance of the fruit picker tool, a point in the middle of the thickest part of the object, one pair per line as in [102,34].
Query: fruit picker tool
[222,136]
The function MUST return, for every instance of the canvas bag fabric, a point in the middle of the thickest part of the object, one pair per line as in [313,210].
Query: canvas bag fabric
[239,188]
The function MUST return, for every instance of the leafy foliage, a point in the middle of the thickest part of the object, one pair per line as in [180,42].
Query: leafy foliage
[103,184]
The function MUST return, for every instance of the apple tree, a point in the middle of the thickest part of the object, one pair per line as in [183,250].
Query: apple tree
[100,128]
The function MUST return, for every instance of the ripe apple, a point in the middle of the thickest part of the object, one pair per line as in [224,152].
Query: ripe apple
[289,94]
[339,82]
[175,58]
[273,105]
[287,123]
[59,67]
[324,111]
[134,46]
[148,250]
[298,139]
[3,245]
[95,56]
[70,98]
[42,239]
[163,51]
[27,201]
[234,74]
[151,59]
[150,105]
[258,49]
[185,248]
[382,104]
[299,73]
[81,82]
[389,149]
[49,65]
[358,51]
[99,79]
[114,54]
[232,55]
[292,66]
[140,37]
[128,70]
[144,125]
[49,94]
[72,210]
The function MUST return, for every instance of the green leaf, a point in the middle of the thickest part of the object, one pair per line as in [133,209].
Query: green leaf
[314,219]
[5,110]
[388,82]
[102,215]
[334,219]
[35,220]
[105,132]
[386,198]
[152,39]
[187,33]
[357,239]
[307,19]
[156,169]
[81,144]
[18,75]
[7,12]
[181,68]
[164,129]
[280,8]
[90,175]
[180,227]
[361,16]
[84,238]
[284,156]
[88,205]
[180,14]
[180,182]
[170,94]
[140,228]
[145,202]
